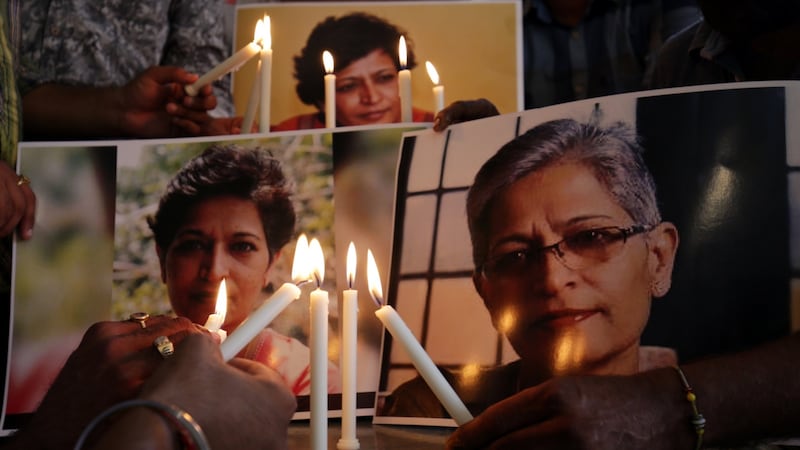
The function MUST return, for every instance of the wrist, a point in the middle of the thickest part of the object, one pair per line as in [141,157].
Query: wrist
[671,411]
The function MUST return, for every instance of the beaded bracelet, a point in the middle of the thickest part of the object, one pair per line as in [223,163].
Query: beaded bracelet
[191,435]
[698,421]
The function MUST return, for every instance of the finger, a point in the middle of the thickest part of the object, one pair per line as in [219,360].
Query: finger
[187,126]
[169,74]
[201,102]
[14,202]
[25,228]
[518,411]
[547,435]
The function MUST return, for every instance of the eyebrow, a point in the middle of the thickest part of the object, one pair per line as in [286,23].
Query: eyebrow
[198,233]
[524,239]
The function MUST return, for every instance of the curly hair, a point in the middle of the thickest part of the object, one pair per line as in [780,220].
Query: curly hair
[248,173]
[348,38]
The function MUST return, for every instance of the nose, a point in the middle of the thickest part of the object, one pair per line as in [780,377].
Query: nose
[215,264]
[370,94]
[552,274]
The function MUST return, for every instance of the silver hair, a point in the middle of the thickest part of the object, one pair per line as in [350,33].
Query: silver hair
[612,153]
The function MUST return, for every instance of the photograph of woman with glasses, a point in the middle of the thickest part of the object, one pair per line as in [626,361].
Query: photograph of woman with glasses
[569,250]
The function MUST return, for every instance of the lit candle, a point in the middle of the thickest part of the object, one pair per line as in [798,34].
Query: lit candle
[265,76]
[262,316]
[438,89]
[330,90]
[404,78]
[252,103]
[229,65]
[318,342]
[217,318]
[349,441]
[403,335]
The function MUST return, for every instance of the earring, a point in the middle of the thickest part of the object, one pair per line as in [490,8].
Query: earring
[658,289]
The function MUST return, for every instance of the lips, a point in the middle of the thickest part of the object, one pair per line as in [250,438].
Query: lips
[564,318]
[373,116]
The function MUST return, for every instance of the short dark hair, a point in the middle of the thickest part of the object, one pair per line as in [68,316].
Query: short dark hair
[348,38]
[248,173]
[612,153]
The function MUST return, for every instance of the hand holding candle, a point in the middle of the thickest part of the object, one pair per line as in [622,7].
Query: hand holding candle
[438,89]
[217,318]
[318,342]
[229,65]
[404,80]
[273,306]
[330,90]
[349,441]
[403,335]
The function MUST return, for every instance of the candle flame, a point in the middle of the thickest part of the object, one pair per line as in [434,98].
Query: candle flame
[402,53]
[327,61]
[263,34]
[221,307]
[300,265]
[317,260]
[351,265]
[432,73]
[374,280]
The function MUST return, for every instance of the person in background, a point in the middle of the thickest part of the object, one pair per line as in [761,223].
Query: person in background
[239,405]
[227,214]
[117,69]
[364,48]
[744,40]
[577,49]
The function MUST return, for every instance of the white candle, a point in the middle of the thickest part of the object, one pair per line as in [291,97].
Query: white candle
[349,441]
[229,65]
[252,103]
[404,80]
[318,342]
[438,89]
[265,76]
[217,318]
[423,363]
[330,90]
[262,316]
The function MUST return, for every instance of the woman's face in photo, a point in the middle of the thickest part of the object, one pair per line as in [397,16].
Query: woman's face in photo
[558,318]
[222,237]
[367,91]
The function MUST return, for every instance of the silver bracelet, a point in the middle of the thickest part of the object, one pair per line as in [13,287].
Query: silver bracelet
[191,434]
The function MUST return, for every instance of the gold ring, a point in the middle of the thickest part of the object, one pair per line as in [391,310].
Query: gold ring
[140,317]
[22,179]
[164,346]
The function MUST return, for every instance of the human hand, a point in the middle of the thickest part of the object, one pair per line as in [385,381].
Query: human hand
[201,124]
[110,365]
[245,396]
[17,204]
[464,111]
[150,101]
[583,412]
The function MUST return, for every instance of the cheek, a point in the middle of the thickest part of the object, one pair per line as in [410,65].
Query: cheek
[345,102]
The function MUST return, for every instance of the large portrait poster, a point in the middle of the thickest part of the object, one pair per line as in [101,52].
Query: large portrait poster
[94,255]
[725,164]
[475,47]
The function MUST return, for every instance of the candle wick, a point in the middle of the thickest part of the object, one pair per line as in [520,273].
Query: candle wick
[376,298]
[317,279]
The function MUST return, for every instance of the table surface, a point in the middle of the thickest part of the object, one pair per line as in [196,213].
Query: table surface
[375,437]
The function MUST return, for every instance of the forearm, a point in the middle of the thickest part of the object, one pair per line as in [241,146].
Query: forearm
[750,395]
[53,111]
[140,428]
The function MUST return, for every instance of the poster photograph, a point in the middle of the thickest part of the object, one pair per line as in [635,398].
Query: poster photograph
[704,261]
